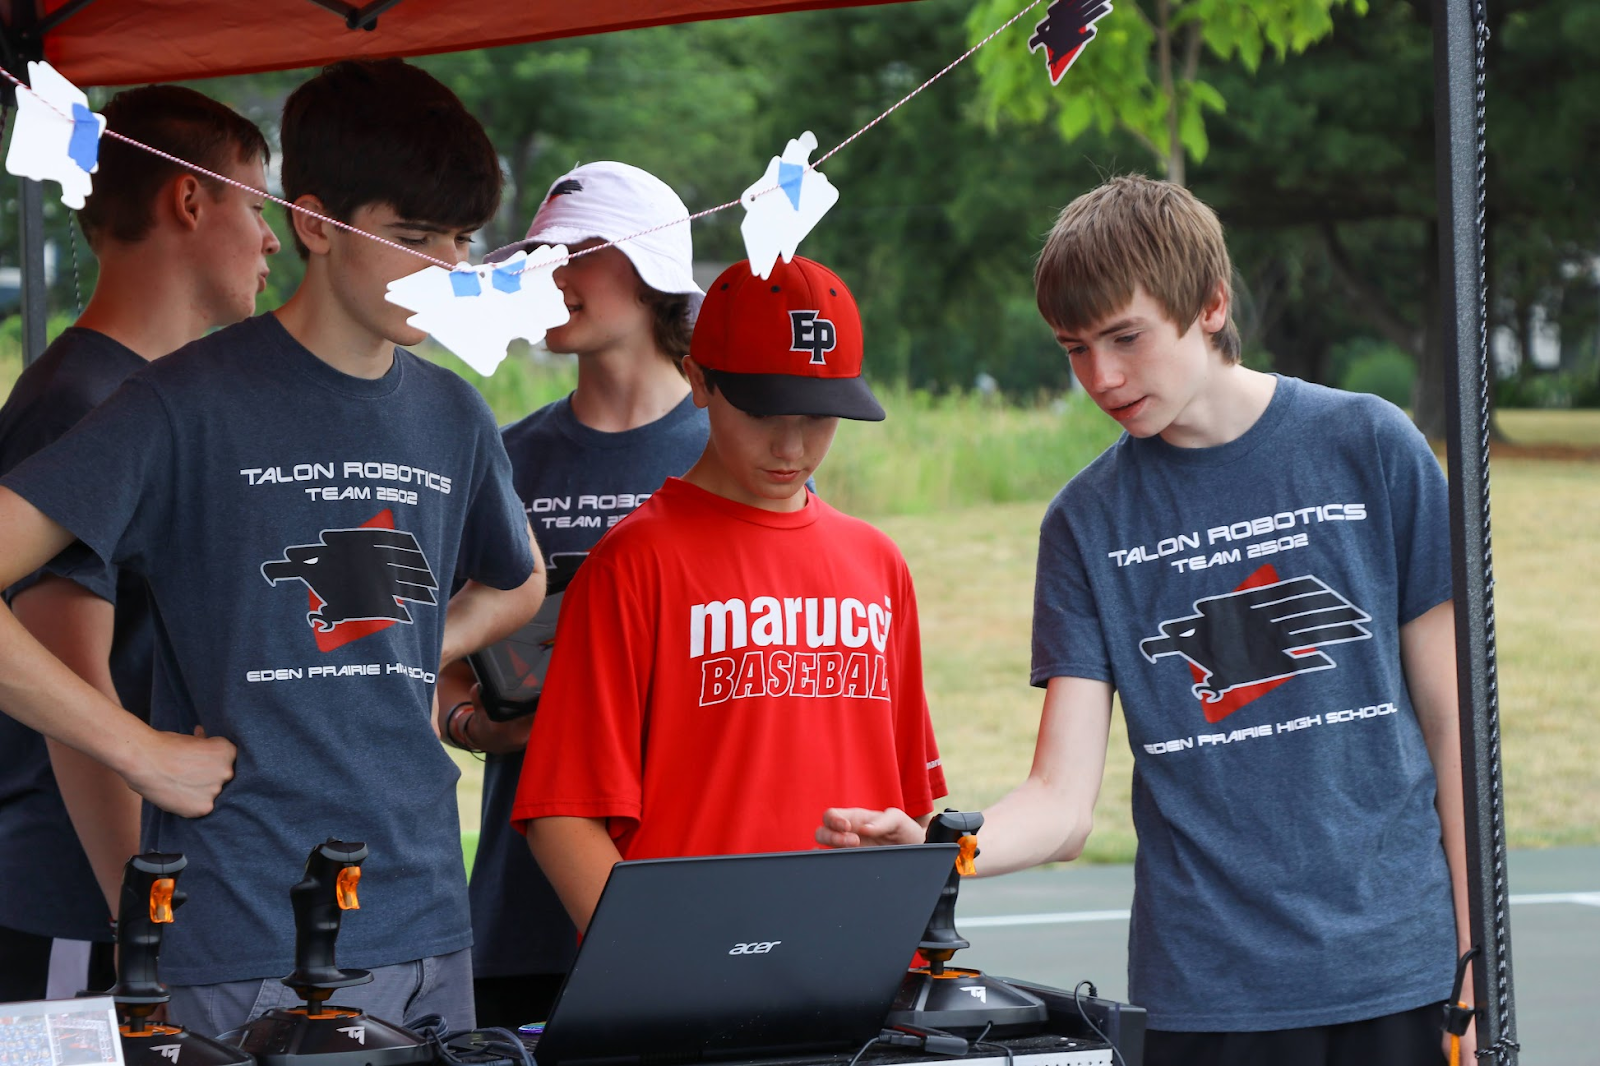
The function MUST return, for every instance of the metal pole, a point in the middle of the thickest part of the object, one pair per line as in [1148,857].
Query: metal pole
[20,42]
[1460,32]
[35,286]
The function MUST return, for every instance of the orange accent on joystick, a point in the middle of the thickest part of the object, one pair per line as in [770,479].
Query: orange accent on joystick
[345,888]
[161,899]
[965,866]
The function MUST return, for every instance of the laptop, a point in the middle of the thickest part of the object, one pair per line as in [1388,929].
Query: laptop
[744,955]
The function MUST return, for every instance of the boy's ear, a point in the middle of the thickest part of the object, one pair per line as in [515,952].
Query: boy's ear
[185,198]
[697,382]
[1214,315]
[313,232]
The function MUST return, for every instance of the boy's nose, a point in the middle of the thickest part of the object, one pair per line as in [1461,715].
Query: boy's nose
[787,441]
[1101,373]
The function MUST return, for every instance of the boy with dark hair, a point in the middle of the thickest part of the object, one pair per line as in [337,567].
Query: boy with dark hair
[579,465]
[301,496]
[179,254]
[1260,569]
[735,651]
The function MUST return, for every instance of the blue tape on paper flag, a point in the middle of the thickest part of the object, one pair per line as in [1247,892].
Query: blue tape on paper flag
[507,279]
[789,175]
[84,147]
[465,282]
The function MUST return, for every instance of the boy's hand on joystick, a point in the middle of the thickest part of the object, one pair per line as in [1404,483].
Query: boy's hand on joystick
[854,827]
[179,773]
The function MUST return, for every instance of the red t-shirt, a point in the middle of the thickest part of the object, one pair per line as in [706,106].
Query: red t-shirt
[723,674]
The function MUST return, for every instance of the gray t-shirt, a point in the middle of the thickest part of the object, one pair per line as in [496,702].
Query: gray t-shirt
[575,483]
[300,530]
[1245,601]
[50,887]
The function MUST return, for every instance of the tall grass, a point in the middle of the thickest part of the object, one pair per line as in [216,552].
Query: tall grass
[519,385]
[942,453]
[11,346]
[932,453]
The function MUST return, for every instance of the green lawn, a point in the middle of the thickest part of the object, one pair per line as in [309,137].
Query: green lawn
[1577,428]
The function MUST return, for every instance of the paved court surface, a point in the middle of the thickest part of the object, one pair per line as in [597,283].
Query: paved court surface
[1059,926]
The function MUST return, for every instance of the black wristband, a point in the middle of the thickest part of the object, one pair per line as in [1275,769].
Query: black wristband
[454,736]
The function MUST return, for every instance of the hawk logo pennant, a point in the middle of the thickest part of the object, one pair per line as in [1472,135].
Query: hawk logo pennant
[1067,26]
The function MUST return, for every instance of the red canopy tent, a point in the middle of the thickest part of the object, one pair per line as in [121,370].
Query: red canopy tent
[116,42]
[122,42]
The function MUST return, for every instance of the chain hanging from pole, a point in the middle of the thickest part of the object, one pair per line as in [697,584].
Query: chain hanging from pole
[1496,959]
[77,278]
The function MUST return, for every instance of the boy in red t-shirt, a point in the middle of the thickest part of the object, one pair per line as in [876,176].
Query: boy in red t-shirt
[735,655]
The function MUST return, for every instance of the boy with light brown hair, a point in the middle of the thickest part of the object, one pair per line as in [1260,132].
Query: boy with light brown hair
[1260,569]
[179,254]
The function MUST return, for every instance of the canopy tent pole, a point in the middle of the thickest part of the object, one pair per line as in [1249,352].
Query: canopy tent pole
[1460,35]
[35,287]
[20,41]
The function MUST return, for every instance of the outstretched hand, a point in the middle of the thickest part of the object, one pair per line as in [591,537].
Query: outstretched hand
[184,774]
[854,827]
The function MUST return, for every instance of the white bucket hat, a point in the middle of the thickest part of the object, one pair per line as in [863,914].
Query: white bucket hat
[614,200]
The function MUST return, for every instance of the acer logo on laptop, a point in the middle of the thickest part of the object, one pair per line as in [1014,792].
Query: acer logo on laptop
[759,947]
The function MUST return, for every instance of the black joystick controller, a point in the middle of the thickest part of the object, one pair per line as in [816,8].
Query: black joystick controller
[938,996]
[333,873]
[149,896]
[319,1033]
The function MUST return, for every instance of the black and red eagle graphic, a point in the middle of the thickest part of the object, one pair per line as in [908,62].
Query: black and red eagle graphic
[1067,26]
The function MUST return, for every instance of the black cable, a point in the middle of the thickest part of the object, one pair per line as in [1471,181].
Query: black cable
[1002,1048]
[494,1041]
[864,1048]
[980,1042]
[1094,993]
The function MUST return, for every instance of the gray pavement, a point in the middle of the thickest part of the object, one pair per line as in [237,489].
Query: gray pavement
[1059,926]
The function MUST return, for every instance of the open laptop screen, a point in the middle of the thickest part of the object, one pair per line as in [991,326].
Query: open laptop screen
[737,955]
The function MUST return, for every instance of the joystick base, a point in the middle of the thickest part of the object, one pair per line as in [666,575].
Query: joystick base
[965,1001]
[149,1044]
[332,1036]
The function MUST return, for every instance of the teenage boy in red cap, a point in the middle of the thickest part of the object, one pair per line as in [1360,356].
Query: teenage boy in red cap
[735,654]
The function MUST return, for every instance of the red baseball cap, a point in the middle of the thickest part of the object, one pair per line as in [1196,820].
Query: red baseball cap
[786,345]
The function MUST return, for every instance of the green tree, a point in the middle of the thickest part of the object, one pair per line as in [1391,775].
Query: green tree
[940,214]
[1146,69]
[675,100]
[1324,172]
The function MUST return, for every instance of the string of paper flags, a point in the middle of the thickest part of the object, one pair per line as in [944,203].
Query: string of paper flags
[476,310]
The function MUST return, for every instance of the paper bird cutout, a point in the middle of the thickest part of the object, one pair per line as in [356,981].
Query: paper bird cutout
[1067,26]
[475,311]
[55,137]
[784,205]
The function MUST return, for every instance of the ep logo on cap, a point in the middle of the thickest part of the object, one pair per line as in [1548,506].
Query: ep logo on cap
[812,334]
